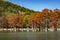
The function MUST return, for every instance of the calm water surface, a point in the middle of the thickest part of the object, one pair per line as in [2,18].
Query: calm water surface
[29,35]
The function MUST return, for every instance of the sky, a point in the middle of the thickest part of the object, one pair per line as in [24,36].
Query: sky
[37,5]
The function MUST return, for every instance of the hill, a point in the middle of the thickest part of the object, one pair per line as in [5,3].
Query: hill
[8,7]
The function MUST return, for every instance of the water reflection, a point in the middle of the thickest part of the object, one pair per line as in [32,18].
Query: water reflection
[29,35]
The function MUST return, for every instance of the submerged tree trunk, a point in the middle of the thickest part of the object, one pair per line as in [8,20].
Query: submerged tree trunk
[39,28]
[55,25]
[47,24]
[55,28]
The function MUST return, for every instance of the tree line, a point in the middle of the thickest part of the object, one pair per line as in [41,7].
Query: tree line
[43,20]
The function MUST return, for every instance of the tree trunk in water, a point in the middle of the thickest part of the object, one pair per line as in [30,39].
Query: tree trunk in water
[47,29]
[55,28]
[39,28]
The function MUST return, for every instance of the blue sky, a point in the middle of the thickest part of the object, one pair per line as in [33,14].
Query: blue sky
[38,4]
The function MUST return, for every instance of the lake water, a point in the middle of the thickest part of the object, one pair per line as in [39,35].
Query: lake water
[29,35]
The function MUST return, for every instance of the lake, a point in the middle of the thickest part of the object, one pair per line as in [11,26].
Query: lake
[29,35]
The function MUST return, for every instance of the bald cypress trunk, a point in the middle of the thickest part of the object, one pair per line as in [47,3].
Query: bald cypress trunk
[55,28]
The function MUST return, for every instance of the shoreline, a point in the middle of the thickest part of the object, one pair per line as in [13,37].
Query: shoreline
[25,29]
[19,29]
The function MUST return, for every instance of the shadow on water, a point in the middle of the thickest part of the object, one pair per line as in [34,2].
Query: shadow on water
[29,35]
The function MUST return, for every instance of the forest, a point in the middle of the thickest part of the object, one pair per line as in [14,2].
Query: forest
[14,16]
